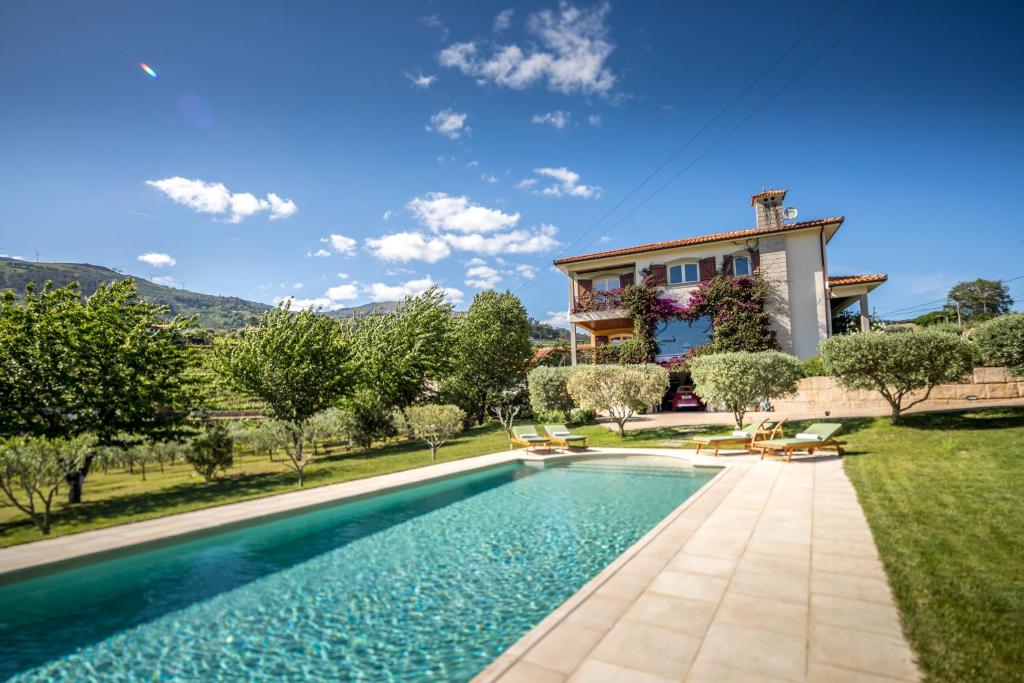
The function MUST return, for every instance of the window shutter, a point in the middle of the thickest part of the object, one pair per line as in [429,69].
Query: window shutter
[626,280]
[584,286]
[707,268]
[727,264]
[659,275]
[601,340]
[755,260]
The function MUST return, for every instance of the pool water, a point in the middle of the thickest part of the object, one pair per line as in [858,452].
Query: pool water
[428,583]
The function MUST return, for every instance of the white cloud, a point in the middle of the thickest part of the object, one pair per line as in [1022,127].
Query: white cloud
[488,178]
[472,164]
[433,21]
[157,259]
[297,286]
[526,183]
[556,119]
[527,271]
[503,20]
[573,49]
[475,261]
[568,184]
[302,304]
[165,280]
[439,211]
[346,292]
[408,246]
[449,123]
[380,291]
[482,277]
[387,215]
[420,81]
[515,242]
[346,246]
[14,258]
[557,319]
[343,276]
[594,119]
[215,198]
[319,253]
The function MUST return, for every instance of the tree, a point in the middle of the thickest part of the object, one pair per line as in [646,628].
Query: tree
[212,451]
[620,390]
[548,391]
[401,352]
[110,365]
[981,299]
[1001,342]
[491,352]
[32,468]
[895,365]
[740,379]
[508,404]
[366,418]
[435,424]
[299,364]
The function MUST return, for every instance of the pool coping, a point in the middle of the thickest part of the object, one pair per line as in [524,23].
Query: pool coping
[510,657]
[46,556]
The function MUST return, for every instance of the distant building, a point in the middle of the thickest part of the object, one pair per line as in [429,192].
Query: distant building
[793,256]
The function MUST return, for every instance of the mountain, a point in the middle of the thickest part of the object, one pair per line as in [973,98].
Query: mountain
[364,309]
[216,312]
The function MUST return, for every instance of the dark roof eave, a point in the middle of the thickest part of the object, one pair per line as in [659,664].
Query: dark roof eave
[705,239]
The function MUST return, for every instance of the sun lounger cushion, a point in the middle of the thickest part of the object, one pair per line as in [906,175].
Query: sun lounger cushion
[561,434]
[809,437]
[741,433]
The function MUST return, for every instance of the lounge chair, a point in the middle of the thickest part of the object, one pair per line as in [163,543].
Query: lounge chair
[563,438]
[745,436]
[527,437]
[817,437]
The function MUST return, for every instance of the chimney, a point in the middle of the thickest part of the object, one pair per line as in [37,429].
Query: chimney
[768,207]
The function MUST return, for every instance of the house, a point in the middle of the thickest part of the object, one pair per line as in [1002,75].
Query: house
[792,256]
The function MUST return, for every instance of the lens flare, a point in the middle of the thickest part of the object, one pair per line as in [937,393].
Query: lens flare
[148,69]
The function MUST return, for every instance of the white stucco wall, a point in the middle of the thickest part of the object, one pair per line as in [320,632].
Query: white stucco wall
[807,304]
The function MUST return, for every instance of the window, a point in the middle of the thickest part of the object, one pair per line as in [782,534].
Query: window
[606,284]
[683,272]
[676,337]
[741,266]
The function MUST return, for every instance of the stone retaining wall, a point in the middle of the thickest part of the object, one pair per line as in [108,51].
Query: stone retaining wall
[818,394]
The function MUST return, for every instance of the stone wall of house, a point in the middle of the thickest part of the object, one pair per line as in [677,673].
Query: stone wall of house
[774,269]
[819,394]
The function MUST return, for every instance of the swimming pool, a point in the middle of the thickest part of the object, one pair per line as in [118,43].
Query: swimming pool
[427,583]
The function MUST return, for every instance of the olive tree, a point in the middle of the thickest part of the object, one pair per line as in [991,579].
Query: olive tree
[895,365]
[619,390]
[32,468]
[299,364]
[435,424]
[548,391]
[740,379]
[1001,342]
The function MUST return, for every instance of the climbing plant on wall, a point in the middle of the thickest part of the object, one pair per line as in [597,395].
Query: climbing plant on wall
[736,306]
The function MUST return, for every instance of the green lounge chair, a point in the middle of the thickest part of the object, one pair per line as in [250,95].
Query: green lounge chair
[528,437]
[563,438]
[817,437]
[745,436]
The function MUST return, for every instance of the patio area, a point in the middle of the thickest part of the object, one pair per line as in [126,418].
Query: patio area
[771,575]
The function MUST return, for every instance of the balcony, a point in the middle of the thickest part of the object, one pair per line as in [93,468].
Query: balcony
[604,305]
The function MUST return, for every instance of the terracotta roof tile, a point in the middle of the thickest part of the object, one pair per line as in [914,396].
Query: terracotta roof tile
[767,193]
[704,239]
[857,279]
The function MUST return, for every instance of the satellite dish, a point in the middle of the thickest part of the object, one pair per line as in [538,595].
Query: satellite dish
[789,213]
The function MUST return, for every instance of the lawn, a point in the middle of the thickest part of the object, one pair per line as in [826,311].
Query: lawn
[944,495]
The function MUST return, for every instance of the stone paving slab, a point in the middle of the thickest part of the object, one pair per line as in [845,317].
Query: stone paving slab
[772,575]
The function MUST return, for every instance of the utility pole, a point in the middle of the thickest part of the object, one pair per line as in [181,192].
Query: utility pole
[959,318]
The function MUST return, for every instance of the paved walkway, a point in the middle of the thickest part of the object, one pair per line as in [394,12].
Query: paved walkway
[770,575]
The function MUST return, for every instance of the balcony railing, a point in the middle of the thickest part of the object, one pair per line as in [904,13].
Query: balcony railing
[591,302]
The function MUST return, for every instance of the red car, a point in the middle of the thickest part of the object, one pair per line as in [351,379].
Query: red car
[685,398]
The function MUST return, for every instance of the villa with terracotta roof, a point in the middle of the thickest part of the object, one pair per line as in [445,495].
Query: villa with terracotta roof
[792,256]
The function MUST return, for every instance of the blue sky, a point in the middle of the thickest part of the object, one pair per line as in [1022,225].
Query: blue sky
[469,143]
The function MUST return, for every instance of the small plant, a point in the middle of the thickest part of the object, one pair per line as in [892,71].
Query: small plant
[895,365]
[212,451]
[435,424]
[32,470]
[620,390]
[741,379]
[1001,342]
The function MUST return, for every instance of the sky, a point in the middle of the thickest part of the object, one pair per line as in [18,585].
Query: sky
[342,153]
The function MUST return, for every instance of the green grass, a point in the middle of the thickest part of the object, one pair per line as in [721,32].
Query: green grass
[944,495]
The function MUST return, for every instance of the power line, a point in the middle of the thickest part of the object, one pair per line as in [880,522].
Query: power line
[943,300]
[721,139]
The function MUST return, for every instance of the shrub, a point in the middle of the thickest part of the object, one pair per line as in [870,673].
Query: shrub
[896,364]
[435,424]
[621,390]
[365,419]
[813,367]
[548,391]
[211,451]
[1001,342]
[740,379]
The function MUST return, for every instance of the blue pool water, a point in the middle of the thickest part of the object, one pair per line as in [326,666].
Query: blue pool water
[428,583]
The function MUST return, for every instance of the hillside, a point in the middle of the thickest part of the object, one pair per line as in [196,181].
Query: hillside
[216,312]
